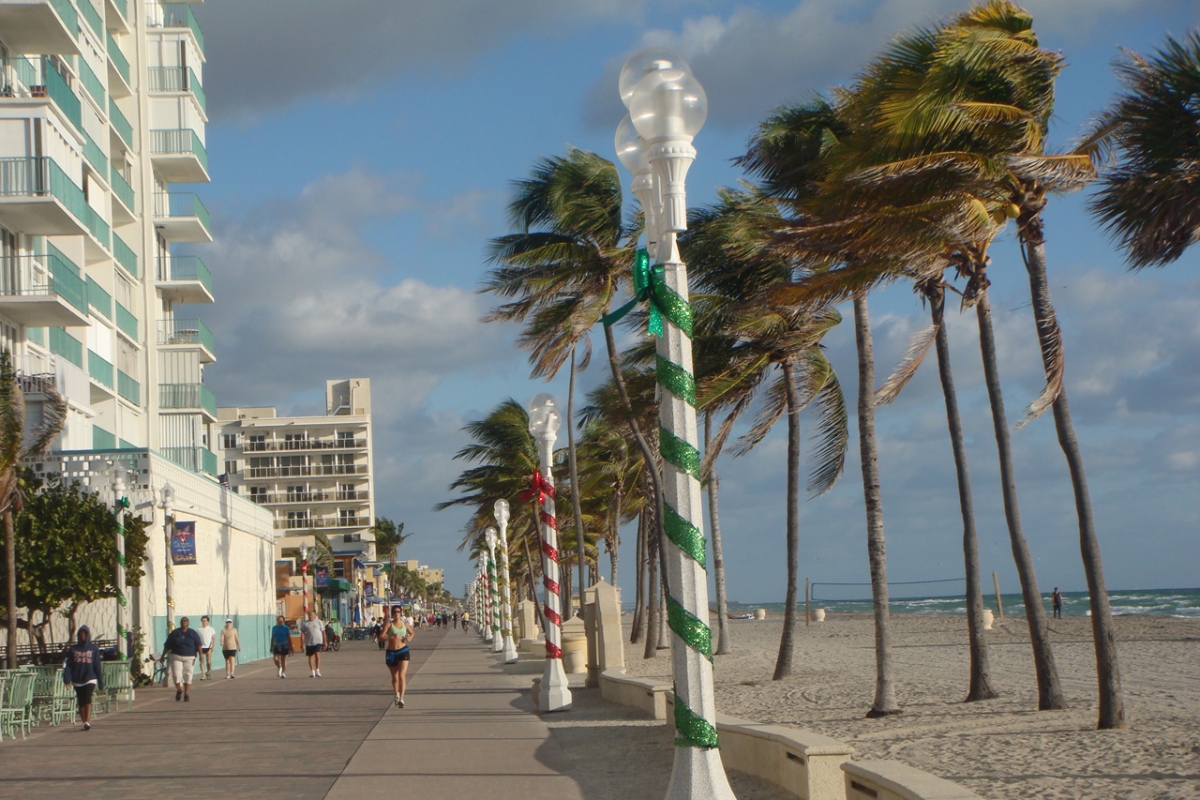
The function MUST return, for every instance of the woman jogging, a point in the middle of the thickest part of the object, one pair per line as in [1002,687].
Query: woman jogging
[397,636]
[281,644]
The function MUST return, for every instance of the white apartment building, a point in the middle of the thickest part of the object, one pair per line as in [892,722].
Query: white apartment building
[313,473]
[102,117]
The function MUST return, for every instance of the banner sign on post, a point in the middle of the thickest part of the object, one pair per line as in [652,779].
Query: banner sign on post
[322,574]
[183,543]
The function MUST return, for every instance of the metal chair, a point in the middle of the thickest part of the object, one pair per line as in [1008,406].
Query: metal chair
[43,691]
[118,684]
[15,711]
[63,705]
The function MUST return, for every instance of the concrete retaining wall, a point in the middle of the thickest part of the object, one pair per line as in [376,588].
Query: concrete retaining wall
[893,780]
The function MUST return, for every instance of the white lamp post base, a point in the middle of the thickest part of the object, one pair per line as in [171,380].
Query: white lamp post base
[698,772]
[555,693]
[497,643]
[487,634]
[510,650]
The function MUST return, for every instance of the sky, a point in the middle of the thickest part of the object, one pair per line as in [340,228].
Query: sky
[362,155]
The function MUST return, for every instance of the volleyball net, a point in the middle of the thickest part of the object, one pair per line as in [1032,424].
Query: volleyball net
[828,592]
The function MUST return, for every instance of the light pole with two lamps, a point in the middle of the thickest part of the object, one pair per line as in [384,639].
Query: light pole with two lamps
[501,513]
[304,580]
[167,496]
[667,107]
[120,503]
[491,537]
[485,600]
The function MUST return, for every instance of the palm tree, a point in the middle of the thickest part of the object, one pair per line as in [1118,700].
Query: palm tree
[389,536]
[12,437]
[1150,199]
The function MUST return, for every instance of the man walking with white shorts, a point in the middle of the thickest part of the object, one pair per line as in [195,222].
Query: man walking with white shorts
[312,632]
[182,648]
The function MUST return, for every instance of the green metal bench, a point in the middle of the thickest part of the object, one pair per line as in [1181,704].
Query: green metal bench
[16,709]
[63,704]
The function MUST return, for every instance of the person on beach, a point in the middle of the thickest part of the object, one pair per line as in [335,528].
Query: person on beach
[397,636]
[82,669]
[1056,600]
[281,644]
[182,648]
[312,633]
[230,645]
[208,638]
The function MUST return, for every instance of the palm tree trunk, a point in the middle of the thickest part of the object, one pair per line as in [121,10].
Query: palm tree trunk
[981,682]
[787,641]
[533,593]
[10,578]
[885,692]
[574,475]
[639,597]
[1050,695]
[1112,704]
[714,486]
[614,549]
[651,649]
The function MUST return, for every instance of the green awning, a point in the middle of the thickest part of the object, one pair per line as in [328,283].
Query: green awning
[337,585]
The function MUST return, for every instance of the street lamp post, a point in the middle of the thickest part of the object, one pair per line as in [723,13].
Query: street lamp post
[491,537]
[304,579]
[167,495]
[544,421]
[120,503]
[501,513]
[485,600]
[667,107]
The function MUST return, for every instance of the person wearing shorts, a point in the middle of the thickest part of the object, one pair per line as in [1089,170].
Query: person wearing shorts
[281,644]
[208,638]
[82,669]
[312,632]
[230,645]
[397,636]
[182,648]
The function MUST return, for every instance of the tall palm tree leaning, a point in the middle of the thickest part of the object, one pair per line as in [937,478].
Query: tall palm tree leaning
[389,536]
[12,437]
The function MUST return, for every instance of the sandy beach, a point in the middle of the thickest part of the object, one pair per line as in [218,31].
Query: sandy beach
[1002,748]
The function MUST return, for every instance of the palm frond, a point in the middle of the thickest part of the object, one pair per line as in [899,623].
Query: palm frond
[918,348]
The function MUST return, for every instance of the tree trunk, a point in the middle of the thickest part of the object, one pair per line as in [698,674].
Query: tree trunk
[639,596]
[10,583]
[651,649]
[885,692]
[574,475]
[1050,695]
[714,487]
[1112,704]
[533,592]
[787,641]
[614,546]
[981,682]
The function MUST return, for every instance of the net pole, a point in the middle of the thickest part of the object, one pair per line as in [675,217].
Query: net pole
[807,616]
[999,603]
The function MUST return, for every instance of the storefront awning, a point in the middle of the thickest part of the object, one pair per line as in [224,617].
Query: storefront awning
[337,585]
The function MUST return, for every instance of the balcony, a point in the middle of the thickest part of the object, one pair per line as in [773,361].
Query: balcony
[90,81]
[40,26]
[125,256]
[117,15]
[188,334]
[179,156]
[311,523]
[181,217]
[193,397]
[175,17]
[100,370]
[119,82]
[42,291]
[92,16]
[95,156]
[123,210]
[120,123]
[102,439]
[127,322]
[37,197]
[99,299]
[179,80]
[308,471]
[197,459]
[292,445]
[129,388]
[283,498]
[184,279]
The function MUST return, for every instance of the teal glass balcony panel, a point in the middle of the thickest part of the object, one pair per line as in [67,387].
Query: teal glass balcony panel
[40,177]
[184,268]
[100,369]
[99,299]
[94,155]
[125,255]
[92,16]
[20,273]
[178,79]
[197,459]
[186,331]
[126,321]
[102,439]
[98,226]
[19,72]
[179,141]
[208,461]
[67,346]
[187,396]
[66,11]
[122,190]
[182,206]
[36,335]
[120,123]
[128,388]
[118,58]
[122,8]
[179,15]
[88,78]
[66,281]
[60,93]
[124,445]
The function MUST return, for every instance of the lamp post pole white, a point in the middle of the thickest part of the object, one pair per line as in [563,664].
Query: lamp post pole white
[304,579]
[667,107]
[168,507]
[485,600]
[120,503]
[491,537]
[544,421]
[501,513]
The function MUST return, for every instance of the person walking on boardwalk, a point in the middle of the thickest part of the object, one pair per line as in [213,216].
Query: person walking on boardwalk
[182,648]
[1056,601]
[466,618]
[82,670]
[397,636]
[281,644]
[312,632]
[230,645]
[208,638]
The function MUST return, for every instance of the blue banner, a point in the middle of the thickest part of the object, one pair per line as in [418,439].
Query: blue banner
[183,543]
[322,576]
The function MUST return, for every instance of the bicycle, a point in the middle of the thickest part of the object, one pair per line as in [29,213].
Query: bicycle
[160,669]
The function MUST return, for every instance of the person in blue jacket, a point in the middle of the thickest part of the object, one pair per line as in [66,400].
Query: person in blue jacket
[281,644]
[82,669]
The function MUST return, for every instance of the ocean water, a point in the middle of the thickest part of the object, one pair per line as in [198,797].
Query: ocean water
[1148,602]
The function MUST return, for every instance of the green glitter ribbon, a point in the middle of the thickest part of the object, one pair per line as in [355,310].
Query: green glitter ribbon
[649,286]
[686,536]
[690,628]
[677,380]
[678,453]
[693,729]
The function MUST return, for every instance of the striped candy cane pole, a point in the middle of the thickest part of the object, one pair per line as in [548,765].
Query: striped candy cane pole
[554,694]
[493,585]
[485,600]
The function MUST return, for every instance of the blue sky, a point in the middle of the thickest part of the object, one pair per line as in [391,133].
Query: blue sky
[362,158]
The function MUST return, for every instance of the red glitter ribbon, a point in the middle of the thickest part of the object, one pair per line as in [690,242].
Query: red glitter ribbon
[551,586]
[539,487]
[553,651]
[549,551]
[552,615]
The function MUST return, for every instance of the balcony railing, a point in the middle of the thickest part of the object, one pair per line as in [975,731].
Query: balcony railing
[102,439]
[184,268]
[121,189]
[88,78]
[65,345]
[279,498]
[197,459]
[120,123]
[126,321]
[92,16]
[99,299]
[118,58]
[187,396]
[181,204]
[186,331]
[25,276]
[56,88]
[178,79]
[310,523]
[67,12]
[125,255]
[180,141]
[100,369]
[128,388]
[40,176]
[94,155]
[303,444]
[175,15]
[306,471]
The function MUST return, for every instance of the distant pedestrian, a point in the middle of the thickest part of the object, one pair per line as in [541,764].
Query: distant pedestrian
[377,633]
[182,648]
[82,669]
[281,644]
[1056,600]
[208,638]
[397,636]
[466,618]
[230,645]
[312,632]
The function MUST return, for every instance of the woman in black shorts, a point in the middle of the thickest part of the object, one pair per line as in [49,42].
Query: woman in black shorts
[397,636]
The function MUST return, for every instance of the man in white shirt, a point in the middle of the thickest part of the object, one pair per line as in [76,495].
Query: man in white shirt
[312,631]
[208,637]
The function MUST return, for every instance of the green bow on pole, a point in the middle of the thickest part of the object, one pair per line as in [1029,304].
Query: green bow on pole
[650,286]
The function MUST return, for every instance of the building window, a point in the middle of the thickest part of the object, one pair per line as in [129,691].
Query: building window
[297,494]
[346,492]
[257,443]
[298,519]
[339,569]
[347,517]
[231,468]
[258,494]
[345,438]
[229,440]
